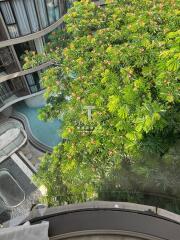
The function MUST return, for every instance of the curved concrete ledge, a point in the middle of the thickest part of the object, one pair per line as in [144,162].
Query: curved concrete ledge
[18,99]
[16,143]
[25,72]
[34,141]
[108,218]
[126,206]
[105,235]
[32,36]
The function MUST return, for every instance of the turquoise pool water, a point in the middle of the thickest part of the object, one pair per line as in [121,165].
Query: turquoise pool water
[45,132]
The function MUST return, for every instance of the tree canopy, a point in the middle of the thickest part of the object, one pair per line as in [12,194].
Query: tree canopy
[122,59]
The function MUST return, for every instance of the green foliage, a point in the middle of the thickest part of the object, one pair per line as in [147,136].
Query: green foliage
[123,59]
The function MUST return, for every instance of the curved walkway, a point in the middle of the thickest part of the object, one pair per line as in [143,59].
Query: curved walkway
[34,141]
[109,218]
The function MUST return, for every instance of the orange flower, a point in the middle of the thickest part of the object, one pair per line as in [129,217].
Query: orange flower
[110,153]
[69,130]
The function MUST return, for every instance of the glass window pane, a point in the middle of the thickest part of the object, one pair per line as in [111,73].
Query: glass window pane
[7,12]
[56,3]
[57,13]
[34,89]
[13,31]
[42,12]
[6,56]
[51,11]
[32,15]
[30,79]
[21,16]
[39,45]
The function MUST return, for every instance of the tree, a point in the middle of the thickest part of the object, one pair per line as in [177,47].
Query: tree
[122,59]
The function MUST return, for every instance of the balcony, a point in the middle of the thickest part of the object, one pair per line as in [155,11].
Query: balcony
[19,88]
[13,95]
[27,17]
[16,96]
[7,62]
[97,220]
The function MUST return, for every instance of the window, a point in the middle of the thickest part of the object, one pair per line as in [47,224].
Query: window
[13,31]
[53,10]
[50,9]
[39,45]
[43,13]
[33,82]
[30,79]
[5,56]
[9,19]
[56,9]
[6,59]
[32,14]
[7,13]
[21,16]
[5,91]
[34,89]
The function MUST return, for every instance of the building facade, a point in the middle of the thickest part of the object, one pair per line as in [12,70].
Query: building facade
[24,26]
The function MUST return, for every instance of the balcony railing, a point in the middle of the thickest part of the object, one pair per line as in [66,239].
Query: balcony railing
[19,96]
[12,95]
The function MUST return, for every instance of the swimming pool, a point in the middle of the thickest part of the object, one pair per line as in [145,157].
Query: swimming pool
[45,132]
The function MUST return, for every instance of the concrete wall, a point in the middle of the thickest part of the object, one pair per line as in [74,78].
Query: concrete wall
[37,101]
